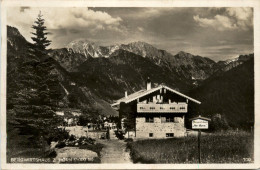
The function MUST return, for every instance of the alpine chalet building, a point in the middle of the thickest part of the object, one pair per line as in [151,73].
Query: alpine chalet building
[158,112]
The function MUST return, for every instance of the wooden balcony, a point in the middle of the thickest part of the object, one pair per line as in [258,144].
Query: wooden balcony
[162,108]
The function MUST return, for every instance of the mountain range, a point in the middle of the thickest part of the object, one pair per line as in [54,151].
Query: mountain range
[184,64]
[97,75]
[230,94]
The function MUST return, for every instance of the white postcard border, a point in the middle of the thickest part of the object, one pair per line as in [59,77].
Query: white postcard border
[131,3]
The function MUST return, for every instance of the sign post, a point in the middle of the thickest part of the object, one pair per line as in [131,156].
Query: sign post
[199,151]
[199,123]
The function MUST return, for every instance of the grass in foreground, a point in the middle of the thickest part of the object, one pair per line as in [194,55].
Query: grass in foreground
[226,147]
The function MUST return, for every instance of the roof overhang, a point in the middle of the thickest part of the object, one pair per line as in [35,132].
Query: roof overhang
[200,117]
[144,93]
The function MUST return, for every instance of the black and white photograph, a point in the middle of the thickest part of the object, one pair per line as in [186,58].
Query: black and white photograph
[129,85]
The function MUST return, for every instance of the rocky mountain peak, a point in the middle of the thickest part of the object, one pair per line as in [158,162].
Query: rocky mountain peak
[184,54]
[13,31]
[85,47]
[142,48]
[79,44]
[140,44]
[15,40]
[234,62]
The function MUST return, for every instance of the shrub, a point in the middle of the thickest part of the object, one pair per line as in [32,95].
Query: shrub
[57,135]
[60,145]
[96,160]
[84,140]
[129,140]
[83,120]
[72,138]
[119,135]
[52,154]
[91,141]
[218,123]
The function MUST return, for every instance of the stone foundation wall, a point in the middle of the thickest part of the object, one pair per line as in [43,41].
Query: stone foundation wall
[158,128]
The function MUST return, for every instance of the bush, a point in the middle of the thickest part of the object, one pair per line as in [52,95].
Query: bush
[72,138]
[129,140]
[96,160]
[119,135]
[83,120]
[85,140]
[60,145]
[92,141]
[52,154]
[219,123]
[57,135]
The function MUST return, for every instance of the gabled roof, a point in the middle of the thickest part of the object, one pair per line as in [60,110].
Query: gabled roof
[200,117]
[141,93]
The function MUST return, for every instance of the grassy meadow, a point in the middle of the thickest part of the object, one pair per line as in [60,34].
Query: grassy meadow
[225,147]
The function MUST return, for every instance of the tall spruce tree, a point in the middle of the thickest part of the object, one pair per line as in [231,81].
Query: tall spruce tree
[35,88]
[38,89]
[40,39]
[49,88]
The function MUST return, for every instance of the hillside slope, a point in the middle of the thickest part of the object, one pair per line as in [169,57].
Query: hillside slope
[229,93]
[85,97]
[124,71]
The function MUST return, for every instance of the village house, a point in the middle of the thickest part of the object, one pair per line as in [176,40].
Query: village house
[109,122]
[159,112]
[70,116]
[110,125]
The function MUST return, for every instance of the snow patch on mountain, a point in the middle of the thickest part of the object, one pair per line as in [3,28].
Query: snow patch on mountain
[231,60]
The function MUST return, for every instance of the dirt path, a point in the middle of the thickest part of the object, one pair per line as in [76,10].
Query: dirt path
[114,151]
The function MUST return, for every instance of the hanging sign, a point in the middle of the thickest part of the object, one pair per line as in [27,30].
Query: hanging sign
[200,124]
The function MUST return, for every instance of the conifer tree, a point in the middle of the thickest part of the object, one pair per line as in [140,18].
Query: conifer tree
[35,89]
[40,39]
[25,94]
[49,87]
[38,90]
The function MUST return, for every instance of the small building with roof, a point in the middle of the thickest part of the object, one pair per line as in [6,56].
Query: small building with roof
[156,112]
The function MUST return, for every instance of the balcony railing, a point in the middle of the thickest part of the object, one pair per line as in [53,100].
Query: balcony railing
[162,108]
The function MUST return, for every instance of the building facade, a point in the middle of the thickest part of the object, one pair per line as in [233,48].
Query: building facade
[158,112]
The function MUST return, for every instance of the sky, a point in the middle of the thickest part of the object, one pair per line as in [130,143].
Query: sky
[217,33]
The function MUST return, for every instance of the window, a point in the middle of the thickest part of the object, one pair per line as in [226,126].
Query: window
[163,119]
[169,119]
[169,135]
[150,135]
[149,119]
[182,108]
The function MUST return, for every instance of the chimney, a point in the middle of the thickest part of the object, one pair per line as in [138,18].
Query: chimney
[126,94]
[148,84]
